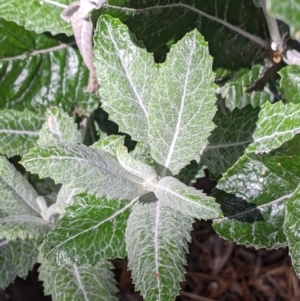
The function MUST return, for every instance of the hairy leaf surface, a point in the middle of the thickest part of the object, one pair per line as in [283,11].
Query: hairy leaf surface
[91,230]
[187,200]
[59,127]
[126,73]
[16,259]
[94,171]
[290,83]
[277,123]
[109,144]
[291,228]
[69,282]
[18,131]
[182,104]
[156,252]
[36,15]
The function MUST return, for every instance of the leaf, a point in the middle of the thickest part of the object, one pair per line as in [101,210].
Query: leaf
[59,127]
[229,48]
[277,123]
[229,139]
[23,226]
[16,259]
[290,83]
[238,90]
[258,188]
[109,144]
[18,131]
[94,171]
[156,243]
[288,11]
[36,15]
[17,195]
[126,73]
[69,282]
[291,228]
[137,168]
[187,200]
[91,230]
[66,195]
[38,71]
[181,106]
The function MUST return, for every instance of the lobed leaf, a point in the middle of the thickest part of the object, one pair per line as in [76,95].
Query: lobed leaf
[156,243]
[189,201]
[94,171]
[182,104]
[229,49]
[126,73]
[91,230]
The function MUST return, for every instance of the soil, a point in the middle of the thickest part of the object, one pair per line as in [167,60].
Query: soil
[216,270]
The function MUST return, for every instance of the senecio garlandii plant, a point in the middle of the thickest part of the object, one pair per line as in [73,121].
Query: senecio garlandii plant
[186,81]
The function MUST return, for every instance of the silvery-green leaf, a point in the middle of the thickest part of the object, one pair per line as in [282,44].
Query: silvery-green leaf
[126,73]
[59,127]
[18,131]
[92,229]
[291,228]
[156,253]
[66,195]
[16,259]
[182,104]
[73,283]
[277,123]
[23,226]
[109,143]
[137,168]
[229,139]
[290,83]
[187,200]
[17,196]
[37,15]
[94,171]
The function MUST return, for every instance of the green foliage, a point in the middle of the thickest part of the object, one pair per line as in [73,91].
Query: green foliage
[155,64]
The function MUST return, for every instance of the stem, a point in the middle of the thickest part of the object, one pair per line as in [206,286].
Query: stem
[273,28]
